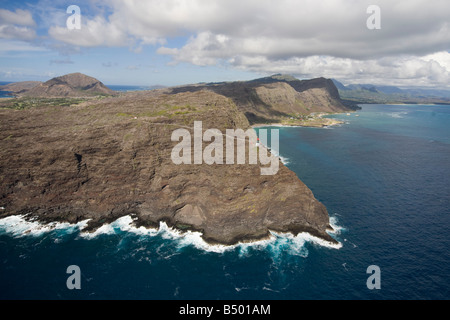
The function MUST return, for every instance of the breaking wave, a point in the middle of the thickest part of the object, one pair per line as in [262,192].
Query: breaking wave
[277,243]
[19,226]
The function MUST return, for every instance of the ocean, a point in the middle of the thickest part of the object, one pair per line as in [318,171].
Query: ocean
[383,176]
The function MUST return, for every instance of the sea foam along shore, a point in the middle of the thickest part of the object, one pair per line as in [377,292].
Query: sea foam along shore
[283,160]
[20,226]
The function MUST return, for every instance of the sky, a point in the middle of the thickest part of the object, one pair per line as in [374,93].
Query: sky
[171,42]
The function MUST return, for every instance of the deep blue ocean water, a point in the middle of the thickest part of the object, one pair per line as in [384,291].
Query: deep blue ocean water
[384,178]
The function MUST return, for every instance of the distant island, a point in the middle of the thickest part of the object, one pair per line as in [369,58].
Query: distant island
[72,149]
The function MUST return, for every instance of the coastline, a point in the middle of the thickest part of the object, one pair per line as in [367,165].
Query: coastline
[71,183]
[22,226]
[313,121]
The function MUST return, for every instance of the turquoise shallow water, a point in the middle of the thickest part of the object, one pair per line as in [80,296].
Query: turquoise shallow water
[383,177]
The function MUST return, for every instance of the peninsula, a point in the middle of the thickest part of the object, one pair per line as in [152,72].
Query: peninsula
[73,152]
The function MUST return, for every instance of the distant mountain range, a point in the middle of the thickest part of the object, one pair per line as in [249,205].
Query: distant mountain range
[261,99]
[275,99]
[269,99]
[70,85]
[369,93]
[111,157]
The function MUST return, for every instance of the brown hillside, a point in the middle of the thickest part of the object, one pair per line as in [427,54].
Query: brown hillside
[70,85]
[273,98]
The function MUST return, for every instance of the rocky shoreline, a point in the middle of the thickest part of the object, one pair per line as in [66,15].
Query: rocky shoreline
[95,161]
[103,159]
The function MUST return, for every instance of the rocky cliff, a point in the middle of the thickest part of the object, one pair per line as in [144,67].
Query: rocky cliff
[107,158]
[275,98]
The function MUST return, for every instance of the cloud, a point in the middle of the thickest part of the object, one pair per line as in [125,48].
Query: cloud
[17,25]
[277,29]
[16,32]
[93,33]
[402,71]
[59,61]
[19,17]
[310,38]
[204,49]
[285,28]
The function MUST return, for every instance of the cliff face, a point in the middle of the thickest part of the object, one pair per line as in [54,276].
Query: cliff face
[107,158]
[278,97]
[71,85]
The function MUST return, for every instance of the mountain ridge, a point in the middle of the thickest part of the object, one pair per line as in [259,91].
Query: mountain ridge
[107,158]
[276,98]
[69,85]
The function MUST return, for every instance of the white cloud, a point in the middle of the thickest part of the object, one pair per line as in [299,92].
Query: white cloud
[194,51]
[16,32]
[16,25]
[443,58]
[93,33]
[19,17]
[309,37]
[286,28]
[406,70]
[281,28]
